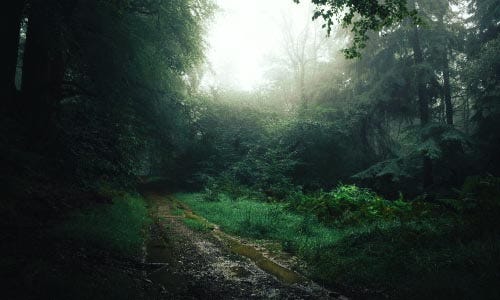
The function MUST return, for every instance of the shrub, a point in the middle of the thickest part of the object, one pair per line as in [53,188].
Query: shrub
[479,202]
[349,205]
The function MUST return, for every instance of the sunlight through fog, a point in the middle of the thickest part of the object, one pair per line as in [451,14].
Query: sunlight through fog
[244,37]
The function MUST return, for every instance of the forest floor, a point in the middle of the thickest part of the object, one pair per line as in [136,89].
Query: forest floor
[190,258]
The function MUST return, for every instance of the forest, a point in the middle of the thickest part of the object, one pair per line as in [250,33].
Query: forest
[363,164]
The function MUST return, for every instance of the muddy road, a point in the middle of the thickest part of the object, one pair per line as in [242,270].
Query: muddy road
[191,264]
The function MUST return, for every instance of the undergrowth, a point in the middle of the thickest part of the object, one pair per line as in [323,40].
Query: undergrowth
[91,254]
[353,239]
[118,226]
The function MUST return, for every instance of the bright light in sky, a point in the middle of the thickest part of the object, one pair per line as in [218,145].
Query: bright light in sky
[245,33]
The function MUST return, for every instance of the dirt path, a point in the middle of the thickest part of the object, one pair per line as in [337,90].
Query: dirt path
[189,264]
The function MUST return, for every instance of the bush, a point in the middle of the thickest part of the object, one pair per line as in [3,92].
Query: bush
[479,202]
[350,205]
[484,192]
[224,186]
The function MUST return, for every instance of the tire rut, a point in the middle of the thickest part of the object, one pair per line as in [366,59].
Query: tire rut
[187,264]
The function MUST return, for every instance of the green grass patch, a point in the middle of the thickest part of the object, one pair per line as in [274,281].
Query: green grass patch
[117,227]
[261,220]
[177,212]
[404,257]
[196,225]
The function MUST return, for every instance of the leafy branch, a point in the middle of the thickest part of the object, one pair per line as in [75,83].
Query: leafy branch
[362,16]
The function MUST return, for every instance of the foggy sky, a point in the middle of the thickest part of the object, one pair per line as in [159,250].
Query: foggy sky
[242,37]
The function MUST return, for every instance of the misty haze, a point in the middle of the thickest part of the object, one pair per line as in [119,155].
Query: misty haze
[263,149]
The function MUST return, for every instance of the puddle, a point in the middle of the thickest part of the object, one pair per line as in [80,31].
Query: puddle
[283,274]
[181,264]
[235,245]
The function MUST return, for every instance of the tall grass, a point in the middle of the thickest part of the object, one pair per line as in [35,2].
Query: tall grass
[117,227]
[405,258]
[261,220]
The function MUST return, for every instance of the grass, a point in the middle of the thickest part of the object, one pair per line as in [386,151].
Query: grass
[117,227]
[92,254]
[177,212]
[262,221]
[196,225]
[431,258]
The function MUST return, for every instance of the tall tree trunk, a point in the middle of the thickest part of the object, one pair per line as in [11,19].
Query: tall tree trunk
[447,88]
[466,114]
[302,85]
[423,103]
[43,70]
[10,24]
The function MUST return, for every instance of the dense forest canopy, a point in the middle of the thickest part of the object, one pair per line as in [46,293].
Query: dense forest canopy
[369,114]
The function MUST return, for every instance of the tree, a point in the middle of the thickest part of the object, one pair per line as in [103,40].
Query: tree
[406,74]
[102,81]
[362,17]
[44,66]
[423,102]
[483,80]
[301,47]
[10,25]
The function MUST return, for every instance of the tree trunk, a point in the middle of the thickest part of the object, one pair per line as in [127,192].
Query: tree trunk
[10,23]
[302,85]
[43,70]
[423,103]
[466,114]
[447,89]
